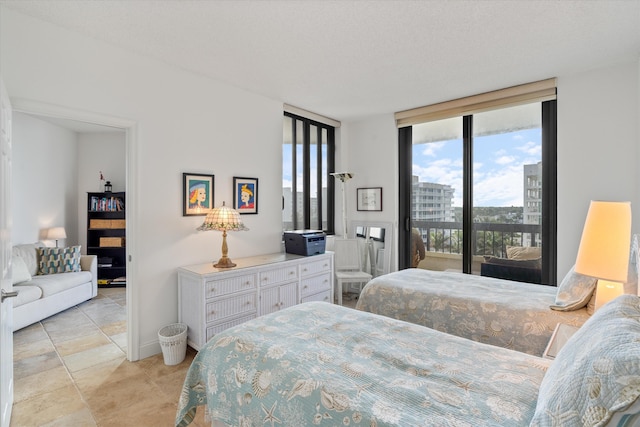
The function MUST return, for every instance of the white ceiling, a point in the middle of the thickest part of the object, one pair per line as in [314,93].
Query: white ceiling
[355,58]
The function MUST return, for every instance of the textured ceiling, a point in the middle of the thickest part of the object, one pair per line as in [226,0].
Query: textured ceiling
[350,59]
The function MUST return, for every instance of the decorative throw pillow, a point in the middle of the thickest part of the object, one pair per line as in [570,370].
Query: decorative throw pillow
[58,260]
[595,375]
[574,291]
[19,270]
[523,252]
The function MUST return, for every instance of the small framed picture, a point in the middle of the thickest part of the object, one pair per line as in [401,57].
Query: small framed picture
[245,195]
[197,194]
[370,199]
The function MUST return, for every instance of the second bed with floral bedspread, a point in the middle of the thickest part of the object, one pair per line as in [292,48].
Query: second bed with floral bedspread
[504,313]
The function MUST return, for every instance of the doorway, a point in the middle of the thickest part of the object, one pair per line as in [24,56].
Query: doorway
[80,122]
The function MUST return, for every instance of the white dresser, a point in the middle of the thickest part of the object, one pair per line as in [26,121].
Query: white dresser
[211,299]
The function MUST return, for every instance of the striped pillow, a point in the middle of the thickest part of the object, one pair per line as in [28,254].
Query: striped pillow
[58,260]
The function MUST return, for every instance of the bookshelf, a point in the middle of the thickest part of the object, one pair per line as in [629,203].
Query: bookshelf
[106,232]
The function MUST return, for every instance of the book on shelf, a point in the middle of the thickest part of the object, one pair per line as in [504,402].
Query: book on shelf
[106,204]
[121,279]
[105,265]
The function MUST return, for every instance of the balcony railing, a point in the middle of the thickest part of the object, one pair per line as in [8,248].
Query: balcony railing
[487,238]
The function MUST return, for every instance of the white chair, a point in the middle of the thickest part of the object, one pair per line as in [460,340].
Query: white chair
[348,267]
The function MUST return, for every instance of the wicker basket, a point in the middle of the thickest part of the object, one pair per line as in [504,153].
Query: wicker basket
[173,340]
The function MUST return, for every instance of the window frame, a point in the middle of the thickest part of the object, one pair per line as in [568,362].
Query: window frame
[306,174]
[549,192]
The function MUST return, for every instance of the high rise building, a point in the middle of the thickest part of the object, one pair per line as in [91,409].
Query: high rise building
[431,201]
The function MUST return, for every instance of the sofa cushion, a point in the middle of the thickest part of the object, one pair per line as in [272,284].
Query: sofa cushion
[524,252]
[523,263]
[19,271]
[29,254]
[26,293]
[59,260]
[54,283]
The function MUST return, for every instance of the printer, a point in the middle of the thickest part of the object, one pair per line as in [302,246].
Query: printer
[304,242]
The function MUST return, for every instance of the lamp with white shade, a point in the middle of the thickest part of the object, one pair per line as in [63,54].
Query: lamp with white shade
[604,248]
[56,233]
[223,219]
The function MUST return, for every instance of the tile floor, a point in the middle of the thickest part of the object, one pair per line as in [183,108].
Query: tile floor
[71,370]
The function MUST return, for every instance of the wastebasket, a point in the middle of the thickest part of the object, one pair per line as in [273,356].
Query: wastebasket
[173,340]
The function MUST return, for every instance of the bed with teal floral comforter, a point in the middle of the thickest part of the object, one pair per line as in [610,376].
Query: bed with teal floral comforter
[322,364]
[504,313]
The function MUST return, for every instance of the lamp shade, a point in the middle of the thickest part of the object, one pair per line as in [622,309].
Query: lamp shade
[56,233]
[222,218]
[604,247]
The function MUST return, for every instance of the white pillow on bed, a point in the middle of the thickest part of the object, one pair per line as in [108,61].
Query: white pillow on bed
[574,291]
[596,375]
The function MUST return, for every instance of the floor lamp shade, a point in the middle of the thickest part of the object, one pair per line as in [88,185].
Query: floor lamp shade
[604,247]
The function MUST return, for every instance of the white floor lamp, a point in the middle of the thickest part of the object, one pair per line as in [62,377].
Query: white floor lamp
[344,177]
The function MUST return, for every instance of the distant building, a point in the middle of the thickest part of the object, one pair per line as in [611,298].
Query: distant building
[431,202]
[532,209]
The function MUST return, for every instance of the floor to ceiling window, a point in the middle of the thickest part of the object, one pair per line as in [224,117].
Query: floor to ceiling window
[475,187]
[307,187]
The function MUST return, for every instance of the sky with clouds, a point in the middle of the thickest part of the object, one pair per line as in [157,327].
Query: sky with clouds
[498,166]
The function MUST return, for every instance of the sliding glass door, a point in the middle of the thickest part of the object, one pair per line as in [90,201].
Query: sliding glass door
[477,188]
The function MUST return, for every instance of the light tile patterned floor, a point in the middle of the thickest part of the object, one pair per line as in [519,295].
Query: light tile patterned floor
[71,370]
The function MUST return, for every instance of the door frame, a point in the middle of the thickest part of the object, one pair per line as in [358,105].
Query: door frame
[27,106]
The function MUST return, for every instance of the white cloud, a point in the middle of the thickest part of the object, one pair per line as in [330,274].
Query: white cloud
[431,149]
[531,148]
[505,160]
[502,187]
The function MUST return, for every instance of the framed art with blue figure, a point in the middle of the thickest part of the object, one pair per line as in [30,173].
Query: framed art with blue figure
[197,198]
[245,195]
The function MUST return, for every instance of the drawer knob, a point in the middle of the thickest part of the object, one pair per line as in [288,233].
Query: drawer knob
[305,270]
[264,279]
[291,272]
[305,287]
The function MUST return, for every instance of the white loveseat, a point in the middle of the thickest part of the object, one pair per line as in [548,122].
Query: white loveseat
[43,295]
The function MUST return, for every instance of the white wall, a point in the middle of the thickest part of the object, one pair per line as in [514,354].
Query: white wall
[598,155]
[372,153]
[43,180]
[98,152]
[185,123]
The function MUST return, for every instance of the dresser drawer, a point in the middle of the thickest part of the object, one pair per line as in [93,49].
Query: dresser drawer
[313,285]
[215,288]
[313,267]
[216,329]
[233,306]
[278,275]
[322,296]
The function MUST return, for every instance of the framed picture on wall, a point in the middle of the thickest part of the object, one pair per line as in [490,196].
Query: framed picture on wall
[245,195]
[369,199]
[197,194]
